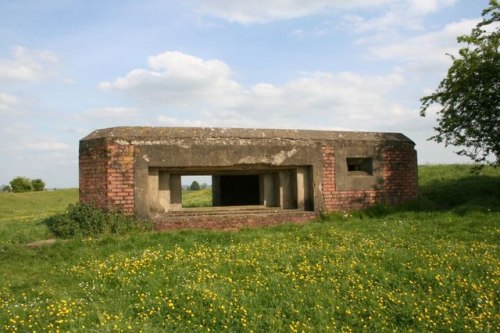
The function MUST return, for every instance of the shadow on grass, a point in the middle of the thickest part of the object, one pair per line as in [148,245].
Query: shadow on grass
[462,195]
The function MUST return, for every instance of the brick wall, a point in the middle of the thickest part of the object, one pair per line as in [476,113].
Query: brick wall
[347,200]
[399,182]
[400,175]
[93,174]
[328,181]
[107,175]
[120,177]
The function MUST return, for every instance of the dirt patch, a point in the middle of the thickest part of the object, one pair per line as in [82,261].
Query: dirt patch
[41,243]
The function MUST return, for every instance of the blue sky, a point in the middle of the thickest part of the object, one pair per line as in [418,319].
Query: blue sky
[70,67]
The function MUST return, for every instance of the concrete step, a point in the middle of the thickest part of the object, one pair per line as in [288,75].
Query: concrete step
[230,219]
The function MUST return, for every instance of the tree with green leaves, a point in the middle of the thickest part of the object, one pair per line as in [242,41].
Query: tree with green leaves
[20,185]
[469,96]
[195,186]
[6,188]
[37,185]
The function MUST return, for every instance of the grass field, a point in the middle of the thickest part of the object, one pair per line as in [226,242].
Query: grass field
[22,214]
[433,265]
[200,198]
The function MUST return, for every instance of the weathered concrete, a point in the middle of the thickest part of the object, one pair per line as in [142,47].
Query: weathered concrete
[164,192]
[139,168]
[304,198]
[270,190]
[230,219]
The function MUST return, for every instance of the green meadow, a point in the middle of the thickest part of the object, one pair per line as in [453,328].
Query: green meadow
[200,198]
[426,266]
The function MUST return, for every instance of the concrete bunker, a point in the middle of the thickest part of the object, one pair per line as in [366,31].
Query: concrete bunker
[259,176]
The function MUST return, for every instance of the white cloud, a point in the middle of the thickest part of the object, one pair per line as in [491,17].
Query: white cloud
[426,52]
[109,112]
[11,142]
[177,122]
[27,65]
[261,11]
[48,146]
[174,76]
[206,92]
[319,94]
[428,6]
[396,12]
[402,14]
[321,30]
[71,130]
[26,152]
[108,116]
[68,81]
[8,102]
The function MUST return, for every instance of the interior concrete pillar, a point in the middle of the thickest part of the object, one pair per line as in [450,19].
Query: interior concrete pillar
[287,189]
[175,192]
[153,186]
[164,190]
[215,191]
[304,188]
[270,190]
[261,190]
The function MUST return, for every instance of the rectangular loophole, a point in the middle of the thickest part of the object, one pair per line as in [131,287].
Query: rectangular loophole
[359,166]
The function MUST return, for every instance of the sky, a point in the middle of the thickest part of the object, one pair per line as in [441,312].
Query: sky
[69,67]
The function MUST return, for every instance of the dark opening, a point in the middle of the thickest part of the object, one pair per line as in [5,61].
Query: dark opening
[360,165]
[239,190]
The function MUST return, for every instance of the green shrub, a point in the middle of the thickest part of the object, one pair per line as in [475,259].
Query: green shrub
[63,226]
[85,220]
